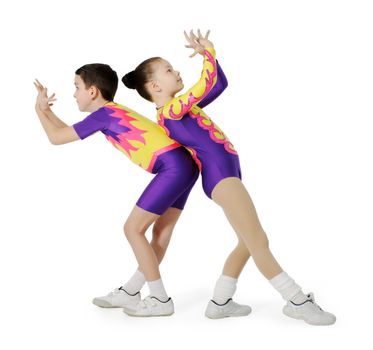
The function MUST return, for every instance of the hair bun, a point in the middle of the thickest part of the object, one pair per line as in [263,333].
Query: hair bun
[129,80]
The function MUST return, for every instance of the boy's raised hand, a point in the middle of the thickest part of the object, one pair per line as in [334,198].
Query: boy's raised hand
[198,42]
[42,100]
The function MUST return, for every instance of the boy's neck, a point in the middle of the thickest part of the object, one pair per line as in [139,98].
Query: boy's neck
[97,104]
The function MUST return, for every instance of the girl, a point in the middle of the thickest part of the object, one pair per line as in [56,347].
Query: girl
[183,119]
[146,144]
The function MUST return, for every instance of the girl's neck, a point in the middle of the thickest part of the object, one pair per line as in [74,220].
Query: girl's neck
[160,101]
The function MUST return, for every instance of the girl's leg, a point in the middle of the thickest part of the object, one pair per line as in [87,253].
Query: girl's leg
[232,196]
[225,286]
[236,260]
[222,304]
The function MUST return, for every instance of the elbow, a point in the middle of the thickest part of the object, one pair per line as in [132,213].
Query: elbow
[54,141]
[225,83]
[221,84]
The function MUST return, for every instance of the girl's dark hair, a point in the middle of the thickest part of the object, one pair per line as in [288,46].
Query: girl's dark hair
[140,76]
[102,76]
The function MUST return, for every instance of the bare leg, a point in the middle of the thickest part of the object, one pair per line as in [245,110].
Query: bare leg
[162,231]
[233,197]
[135,227]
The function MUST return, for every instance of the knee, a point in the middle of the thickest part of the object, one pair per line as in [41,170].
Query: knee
[242,249]
[157,233]
[161,235]
[131,230]
[127,228]
[241,245]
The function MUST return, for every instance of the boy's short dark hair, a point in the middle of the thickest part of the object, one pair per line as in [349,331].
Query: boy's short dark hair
[102,76]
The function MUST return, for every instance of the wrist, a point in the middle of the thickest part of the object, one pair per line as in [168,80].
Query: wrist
[45,109]
[210,50]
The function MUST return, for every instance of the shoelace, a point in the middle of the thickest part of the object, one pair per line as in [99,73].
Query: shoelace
[311,298]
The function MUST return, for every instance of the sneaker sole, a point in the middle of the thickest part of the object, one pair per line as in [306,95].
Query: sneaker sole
[105,304]
[290,314]
[102,303]
[134,315]
[216,317]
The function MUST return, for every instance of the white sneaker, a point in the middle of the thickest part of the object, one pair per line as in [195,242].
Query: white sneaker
[309,312]
[150,306]
[229,309]
[117,298]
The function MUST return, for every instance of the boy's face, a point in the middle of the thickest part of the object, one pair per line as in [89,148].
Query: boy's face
[82,94]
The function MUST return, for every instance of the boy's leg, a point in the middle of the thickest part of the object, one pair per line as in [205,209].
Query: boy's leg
[135,228]
[162,232]
[129,294]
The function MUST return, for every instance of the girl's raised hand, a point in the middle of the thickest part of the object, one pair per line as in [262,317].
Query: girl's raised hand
[198,43]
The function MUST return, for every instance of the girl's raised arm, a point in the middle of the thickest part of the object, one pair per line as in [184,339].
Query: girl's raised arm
[180,105]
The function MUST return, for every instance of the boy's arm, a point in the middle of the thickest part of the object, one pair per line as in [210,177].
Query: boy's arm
[54,119]
[57,135]
[57,131]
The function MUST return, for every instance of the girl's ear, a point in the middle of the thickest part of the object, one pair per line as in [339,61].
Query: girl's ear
[153,86]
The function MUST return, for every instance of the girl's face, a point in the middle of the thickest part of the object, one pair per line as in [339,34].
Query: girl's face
[82,95]
[168,80]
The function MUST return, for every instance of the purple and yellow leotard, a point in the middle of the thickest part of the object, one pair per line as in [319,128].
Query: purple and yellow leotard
[147,145]
[183,120]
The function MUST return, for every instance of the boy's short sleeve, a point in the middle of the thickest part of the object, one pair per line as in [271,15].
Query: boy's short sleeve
[97,121]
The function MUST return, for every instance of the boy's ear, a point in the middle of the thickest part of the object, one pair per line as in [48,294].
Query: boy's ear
[93,92]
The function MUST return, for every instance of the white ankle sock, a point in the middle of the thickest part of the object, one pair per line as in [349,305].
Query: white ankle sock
[288,289]
[225,287]
[135,283]
[157,290]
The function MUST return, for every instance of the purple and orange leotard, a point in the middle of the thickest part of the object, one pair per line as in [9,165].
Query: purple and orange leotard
[183,120]
[147,145]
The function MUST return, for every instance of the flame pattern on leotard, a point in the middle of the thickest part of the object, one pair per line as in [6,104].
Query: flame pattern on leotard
[186,105]
[139,138]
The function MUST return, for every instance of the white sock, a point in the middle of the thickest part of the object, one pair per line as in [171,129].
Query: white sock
[288,289]
[157,290]
[135,283]
[224,289]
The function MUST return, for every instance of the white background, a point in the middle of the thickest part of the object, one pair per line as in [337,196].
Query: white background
[298,110]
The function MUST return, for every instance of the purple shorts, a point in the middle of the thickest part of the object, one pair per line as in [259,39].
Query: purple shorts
[176,175]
